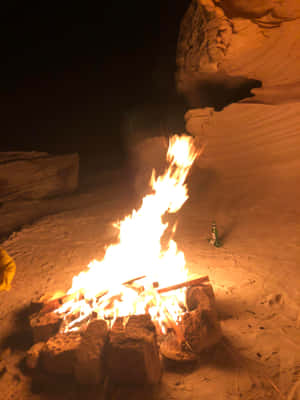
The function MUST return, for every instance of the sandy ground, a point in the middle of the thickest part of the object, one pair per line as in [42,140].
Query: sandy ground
[259,312]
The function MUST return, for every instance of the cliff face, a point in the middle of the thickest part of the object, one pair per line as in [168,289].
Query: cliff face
[230,41]
[247,53]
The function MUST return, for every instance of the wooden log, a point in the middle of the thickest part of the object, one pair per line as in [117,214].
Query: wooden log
[37,304]
[133,356]
[44,325]
[131,281]
[193,282]
[33,355]
[58,356]
[201,327]
[173,349]
[47,303]
[89,358]
[30,176]
[202,296]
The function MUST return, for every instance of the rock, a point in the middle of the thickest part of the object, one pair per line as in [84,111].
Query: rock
[258,9]
[33,355]
[254,147]
[133,356]
[58,356]
[234,45]
[44,325]
[89,358]
[29,176]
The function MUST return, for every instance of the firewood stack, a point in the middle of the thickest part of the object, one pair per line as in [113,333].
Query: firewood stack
[131,351]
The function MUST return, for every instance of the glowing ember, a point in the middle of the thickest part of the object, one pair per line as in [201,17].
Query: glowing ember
[105,290]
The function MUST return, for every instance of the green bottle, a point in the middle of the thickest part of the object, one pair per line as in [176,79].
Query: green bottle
[214,240]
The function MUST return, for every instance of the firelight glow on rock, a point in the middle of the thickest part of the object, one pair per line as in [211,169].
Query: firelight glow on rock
[139,253]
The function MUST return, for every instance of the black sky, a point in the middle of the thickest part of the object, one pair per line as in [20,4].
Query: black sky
[68,85]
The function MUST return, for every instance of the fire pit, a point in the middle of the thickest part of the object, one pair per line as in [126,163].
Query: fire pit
[137,306]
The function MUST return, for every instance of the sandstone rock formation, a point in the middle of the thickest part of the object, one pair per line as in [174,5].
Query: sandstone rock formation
[36,175]
[238,66]
[254,147]
[239,44]
[231,43]
[30,186]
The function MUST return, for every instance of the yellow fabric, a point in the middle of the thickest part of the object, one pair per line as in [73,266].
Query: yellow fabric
[7,270]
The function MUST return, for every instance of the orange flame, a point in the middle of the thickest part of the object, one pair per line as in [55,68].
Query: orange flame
[101,288]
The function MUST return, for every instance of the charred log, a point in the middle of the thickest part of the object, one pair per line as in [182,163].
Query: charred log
[201,327]
[200,296]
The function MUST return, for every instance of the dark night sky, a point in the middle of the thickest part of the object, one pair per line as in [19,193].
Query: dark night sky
[68,85]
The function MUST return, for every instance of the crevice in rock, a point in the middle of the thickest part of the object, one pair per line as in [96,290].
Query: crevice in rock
[216,91]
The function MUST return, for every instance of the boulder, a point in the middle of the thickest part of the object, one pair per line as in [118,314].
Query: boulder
[58,356]
[89,365]
[133,355]
[36,175]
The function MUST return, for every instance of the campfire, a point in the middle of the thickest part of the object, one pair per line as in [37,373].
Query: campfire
[139,303]
[130,278]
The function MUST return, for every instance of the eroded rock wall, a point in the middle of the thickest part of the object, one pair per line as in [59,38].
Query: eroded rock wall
[243,57]
[230,41]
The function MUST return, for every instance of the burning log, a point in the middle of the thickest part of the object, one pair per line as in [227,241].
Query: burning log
[44,325]
[201,327]
[131,281]
[194,282]
[58,356]
[89,365]
[173,349]
[202,296]
[47,303]
[133,356]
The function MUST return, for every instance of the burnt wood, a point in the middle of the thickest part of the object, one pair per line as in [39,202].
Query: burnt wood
[201,327]
[193,282]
